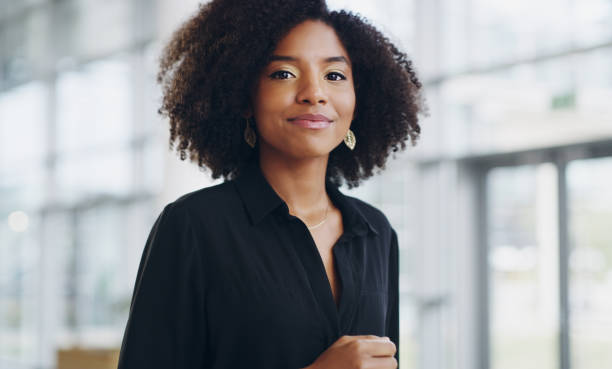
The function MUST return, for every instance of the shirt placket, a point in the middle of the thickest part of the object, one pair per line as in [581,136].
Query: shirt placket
[338,318]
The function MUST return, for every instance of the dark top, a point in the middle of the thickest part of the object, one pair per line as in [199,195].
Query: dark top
[229,279]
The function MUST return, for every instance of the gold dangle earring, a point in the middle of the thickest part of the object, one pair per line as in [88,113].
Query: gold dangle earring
[249,134]
[350,140]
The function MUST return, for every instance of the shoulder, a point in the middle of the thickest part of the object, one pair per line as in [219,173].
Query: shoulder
[374,216]
[212,199]
[208,209]
[178,224]
[193,216]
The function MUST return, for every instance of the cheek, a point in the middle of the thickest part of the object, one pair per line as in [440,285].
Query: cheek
[270,98]
[345,104]
[262,101]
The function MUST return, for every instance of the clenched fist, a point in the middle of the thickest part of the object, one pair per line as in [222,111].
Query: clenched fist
[358,352]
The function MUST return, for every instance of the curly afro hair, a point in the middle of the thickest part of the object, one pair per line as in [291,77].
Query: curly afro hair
[213,60]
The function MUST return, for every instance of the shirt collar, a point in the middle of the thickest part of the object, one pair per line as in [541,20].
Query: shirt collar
[260,199]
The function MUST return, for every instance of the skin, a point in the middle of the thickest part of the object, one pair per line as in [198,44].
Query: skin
[293,159]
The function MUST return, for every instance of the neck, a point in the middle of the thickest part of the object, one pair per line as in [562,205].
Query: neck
[299,182]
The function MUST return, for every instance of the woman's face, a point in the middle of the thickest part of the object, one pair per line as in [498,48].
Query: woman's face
[304,99]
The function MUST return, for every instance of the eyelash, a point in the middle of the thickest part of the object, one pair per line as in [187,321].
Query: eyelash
[276,74]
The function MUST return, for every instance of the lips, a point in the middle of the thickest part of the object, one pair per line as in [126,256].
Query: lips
[313,121]
[313,117]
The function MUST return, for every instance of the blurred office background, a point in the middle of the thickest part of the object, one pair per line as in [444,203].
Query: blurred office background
[504,209]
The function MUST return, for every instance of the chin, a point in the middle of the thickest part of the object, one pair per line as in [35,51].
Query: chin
[304,147]
[310,153]
[307,151]
[314,148]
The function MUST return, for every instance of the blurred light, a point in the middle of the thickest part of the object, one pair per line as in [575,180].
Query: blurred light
[18,221]
[513,259]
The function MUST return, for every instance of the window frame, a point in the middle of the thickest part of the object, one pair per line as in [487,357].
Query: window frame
[560,157]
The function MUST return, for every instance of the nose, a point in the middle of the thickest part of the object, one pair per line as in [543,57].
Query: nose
[311,91]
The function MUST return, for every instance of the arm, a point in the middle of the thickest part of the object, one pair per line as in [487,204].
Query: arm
[166,326]
[393,308]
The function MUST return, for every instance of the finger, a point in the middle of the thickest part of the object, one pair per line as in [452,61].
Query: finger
[364,337]
[380,348]
[386,362]
[378,339]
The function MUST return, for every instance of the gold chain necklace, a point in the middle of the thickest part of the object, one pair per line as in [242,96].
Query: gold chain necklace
[321,222]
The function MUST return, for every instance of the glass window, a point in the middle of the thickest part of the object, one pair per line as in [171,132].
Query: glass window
[593,93]
[23,126]
[19,278]
[390,18]
[94,106]
[526,106]
[498,31]
[22,189]
[92,258]
[100,247]
[590,262]
[154,153]
[109,242]
[66,265]
[58,289]
[91,28]
[21,196]
[152,123]
[592,21]
[107,172]
[523,267]
[24,43]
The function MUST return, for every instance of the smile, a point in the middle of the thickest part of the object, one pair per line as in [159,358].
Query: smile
[312,121]
[313,124]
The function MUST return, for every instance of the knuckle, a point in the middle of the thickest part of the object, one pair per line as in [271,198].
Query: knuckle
[358,346]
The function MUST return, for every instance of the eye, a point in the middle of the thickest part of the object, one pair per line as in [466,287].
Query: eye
[335,76]
[281,74]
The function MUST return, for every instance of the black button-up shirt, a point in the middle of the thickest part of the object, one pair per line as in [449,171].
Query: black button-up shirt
[229,279]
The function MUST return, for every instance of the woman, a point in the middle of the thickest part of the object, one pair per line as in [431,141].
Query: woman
[275,268]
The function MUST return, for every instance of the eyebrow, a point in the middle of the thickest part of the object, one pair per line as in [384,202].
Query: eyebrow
[331,59]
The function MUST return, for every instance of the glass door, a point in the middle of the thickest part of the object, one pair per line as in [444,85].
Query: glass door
[549,251]
[589,185]
[522,266]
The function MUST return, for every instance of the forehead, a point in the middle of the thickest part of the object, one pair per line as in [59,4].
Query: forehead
[311,39]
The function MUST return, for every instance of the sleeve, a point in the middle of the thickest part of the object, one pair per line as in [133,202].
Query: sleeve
[393,308]
[166,323]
